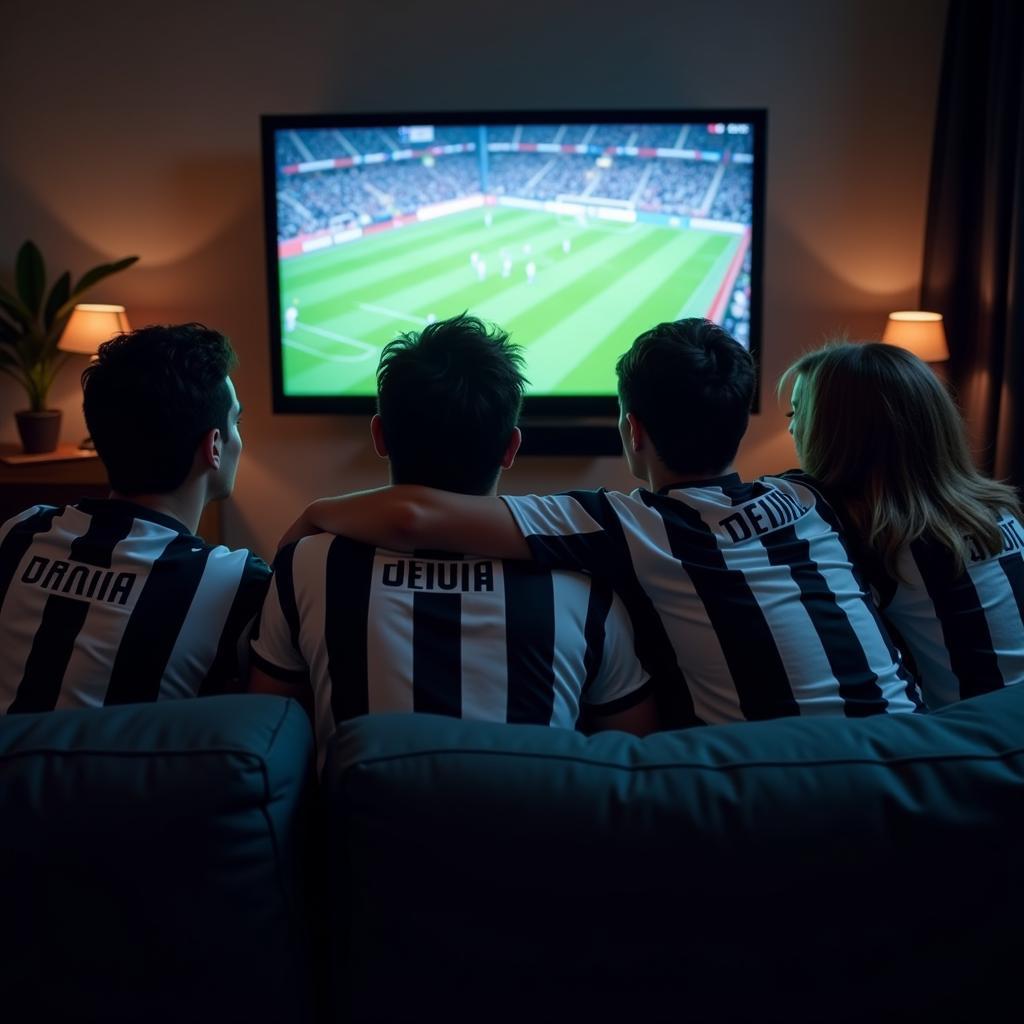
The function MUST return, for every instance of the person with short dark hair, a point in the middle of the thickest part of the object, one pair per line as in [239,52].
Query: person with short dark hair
[349,628]
[943,545]
[455,386]
[691,386]
[743,597]
[116,600]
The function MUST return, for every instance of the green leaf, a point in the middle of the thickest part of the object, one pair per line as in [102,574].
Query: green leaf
[15,373]
[15,308]
[8,331]
[91,277]
[30,276]
[7,358]
[58,296]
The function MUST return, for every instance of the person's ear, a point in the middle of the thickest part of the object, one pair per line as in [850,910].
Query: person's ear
[211,445]
[637,433]
[377,433]
[512,448]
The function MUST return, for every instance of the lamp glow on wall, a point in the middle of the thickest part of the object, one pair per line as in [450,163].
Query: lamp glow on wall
[91,324]
[919,332]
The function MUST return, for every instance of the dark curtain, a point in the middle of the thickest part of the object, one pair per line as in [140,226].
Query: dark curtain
[973,258]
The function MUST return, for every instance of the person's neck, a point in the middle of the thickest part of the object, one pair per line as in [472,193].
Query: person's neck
[185,504]
[492,493]
[659,476]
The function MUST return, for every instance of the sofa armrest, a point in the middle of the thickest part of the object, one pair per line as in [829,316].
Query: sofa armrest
[152,856]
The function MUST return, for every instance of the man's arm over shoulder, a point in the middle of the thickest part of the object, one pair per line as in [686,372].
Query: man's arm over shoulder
[406,517]
[560,530]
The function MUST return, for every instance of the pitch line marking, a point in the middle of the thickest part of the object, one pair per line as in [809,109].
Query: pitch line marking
[393,313]
[364,352]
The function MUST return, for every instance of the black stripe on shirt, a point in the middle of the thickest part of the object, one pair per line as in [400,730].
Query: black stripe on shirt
[754,662]
[437,654]
[529,642]
[284,581]
[848,662]
[107,529]
[349,578]
[63,618]
[599,604]
[156,621]
[869,573]
[653,647]
[18,540]
[223,674]
[965,630]
[1013,567]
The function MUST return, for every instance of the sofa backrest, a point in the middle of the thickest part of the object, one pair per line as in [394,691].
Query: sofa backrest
[798,870]
[152,858]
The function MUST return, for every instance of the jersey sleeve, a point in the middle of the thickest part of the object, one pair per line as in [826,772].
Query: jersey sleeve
[21,517]
[275,640]
[565,531]
[620,682]
[230,664]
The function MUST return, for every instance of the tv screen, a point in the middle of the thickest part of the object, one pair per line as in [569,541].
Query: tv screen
[574,231]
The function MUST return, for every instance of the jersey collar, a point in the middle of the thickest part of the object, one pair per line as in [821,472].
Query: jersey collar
[101,506]
[729,480]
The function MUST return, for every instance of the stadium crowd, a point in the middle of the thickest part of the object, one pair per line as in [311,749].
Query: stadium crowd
[359,195]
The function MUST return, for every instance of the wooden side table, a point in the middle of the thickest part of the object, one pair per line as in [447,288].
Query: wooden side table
[63,482]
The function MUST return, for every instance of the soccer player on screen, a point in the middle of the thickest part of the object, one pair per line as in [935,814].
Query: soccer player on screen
[291,315]
[350,629]
[743,598]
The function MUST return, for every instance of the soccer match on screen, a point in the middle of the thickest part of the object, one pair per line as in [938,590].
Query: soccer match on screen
[572,237]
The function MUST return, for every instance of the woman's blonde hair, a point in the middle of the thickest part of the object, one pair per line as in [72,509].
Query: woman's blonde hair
[882,435]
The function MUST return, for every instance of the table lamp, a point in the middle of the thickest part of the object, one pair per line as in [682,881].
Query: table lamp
[918,332]
[91,324]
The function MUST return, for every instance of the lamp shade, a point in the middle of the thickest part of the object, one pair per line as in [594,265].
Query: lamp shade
[91,324]
[918,332]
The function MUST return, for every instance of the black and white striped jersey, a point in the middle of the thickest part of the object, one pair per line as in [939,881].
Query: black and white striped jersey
[743,597]
[108,602]
[477,638]
[963,630]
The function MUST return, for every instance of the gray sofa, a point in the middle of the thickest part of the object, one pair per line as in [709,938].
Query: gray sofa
[174,862]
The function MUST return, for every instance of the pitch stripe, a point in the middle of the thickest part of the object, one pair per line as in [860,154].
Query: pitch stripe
[605,300]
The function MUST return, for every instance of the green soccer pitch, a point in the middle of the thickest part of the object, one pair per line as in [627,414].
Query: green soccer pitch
[595,287]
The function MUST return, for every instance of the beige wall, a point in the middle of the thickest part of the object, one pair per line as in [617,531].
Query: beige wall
[132,127]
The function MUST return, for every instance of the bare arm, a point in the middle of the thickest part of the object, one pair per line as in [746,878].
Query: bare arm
[261,682]
[405,517]
[640,719]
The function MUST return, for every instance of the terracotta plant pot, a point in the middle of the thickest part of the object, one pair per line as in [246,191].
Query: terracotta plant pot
[40,431]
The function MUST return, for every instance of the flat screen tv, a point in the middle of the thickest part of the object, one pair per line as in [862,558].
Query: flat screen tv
[573,230]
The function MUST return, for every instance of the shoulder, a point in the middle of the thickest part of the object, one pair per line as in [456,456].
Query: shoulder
[237,568]
[796,481]
[31,515]
[580,509]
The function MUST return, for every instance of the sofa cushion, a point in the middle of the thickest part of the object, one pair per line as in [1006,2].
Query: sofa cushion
[799,870]
[150,858]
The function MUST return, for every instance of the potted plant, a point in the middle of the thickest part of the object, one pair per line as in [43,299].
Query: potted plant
[31,323]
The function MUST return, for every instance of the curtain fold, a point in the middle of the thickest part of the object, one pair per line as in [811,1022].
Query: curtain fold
[975,228]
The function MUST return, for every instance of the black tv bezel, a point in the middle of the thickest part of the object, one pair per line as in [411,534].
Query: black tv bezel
[549,413]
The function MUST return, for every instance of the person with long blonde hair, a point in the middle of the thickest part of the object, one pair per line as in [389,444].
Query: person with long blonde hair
[941,544]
